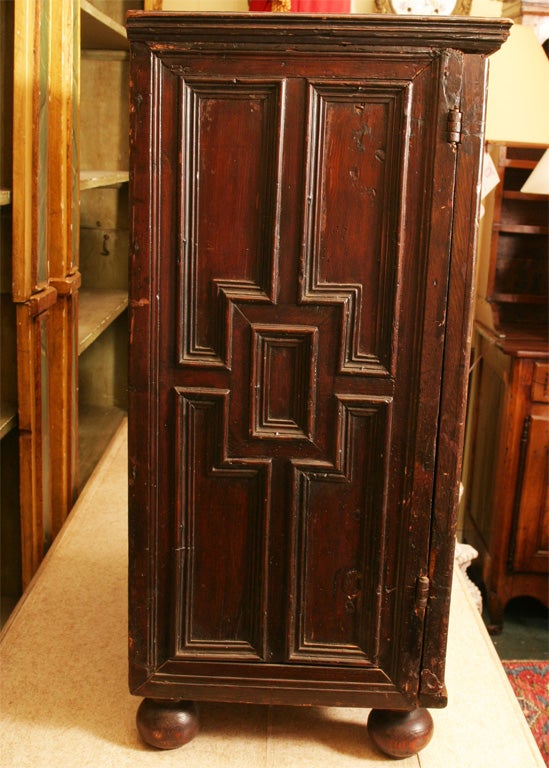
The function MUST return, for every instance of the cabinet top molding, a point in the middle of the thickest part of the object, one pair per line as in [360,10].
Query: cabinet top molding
[254,31]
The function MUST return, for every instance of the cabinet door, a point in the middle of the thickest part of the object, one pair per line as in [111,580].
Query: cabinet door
[291,244]
[530,537]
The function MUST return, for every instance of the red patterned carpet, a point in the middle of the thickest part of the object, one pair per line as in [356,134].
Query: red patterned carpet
[530,682]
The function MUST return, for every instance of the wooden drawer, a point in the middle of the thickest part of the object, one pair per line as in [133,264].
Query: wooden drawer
[540,383]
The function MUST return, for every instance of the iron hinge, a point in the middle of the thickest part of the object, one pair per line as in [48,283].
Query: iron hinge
[453,128]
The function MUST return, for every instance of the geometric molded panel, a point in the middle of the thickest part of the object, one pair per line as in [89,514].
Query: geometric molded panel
[337,540]
[350,253]
[226,120]
[283,383]
[221,580]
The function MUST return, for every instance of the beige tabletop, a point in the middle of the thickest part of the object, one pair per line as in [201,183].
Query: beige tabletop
[64,699]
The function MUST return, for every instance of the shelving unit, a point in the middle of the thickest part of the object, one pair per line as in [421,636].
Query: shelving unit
[10,529]
[103,298]
[64,206]
[98,309]
[513,278]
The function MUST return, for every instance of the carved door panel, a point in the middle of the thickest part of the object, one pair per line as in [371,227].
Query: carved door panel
[299,233]
[530,539]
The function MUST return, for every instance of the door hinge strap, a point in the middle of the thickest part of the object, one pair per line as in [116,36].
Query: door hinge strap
[453,129]
[422,594]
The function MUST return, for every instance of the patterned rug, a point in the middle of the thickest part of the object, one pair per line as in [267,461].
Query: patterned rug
[530,682]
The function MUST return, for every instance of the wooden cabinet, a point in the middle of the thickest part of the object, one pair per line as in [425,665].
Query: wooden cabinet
[506,472]
[507,510]
[303,206]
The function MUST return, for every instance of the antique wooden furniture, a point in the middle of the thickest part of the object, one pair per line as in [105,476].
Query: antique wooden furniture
[303,216]
[506,505]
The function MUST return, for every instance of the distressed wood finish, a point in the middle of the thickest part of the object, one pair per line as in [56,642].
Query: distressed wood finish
[303,224]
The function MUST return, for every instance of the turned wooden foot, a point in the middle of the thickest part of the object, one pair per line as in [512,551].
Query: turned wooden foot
[400,733]
[166,724]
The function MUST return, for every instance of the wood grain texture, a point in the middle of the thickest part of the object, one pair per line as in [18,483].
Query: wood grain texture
[34,458]
[302,232]
[25,143]
[31,292]
[62,221]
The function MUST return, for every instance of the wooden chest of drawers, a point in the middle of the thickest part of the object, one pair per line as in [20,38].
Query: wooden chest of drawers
[304,197]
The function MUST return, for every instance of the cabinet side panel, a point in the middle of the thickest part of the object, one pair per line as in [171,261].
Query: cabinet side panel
[287,366]
[142,378]
[454,383]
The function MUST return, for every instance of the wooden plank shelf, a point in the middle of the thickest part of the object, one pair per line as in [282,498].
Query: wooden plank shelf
[519,298]
[520,229]
[519,163]
[8,418]
[99,31]
[97,310]
[99,178]
[528,197]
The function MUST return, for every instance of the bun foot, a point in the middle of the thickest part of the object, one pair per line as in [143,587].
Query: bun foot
[166,724]
[400,733]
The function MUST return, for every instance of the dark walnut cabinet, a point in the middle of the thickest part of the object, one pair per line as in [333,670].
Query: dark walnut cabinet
[304,193]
